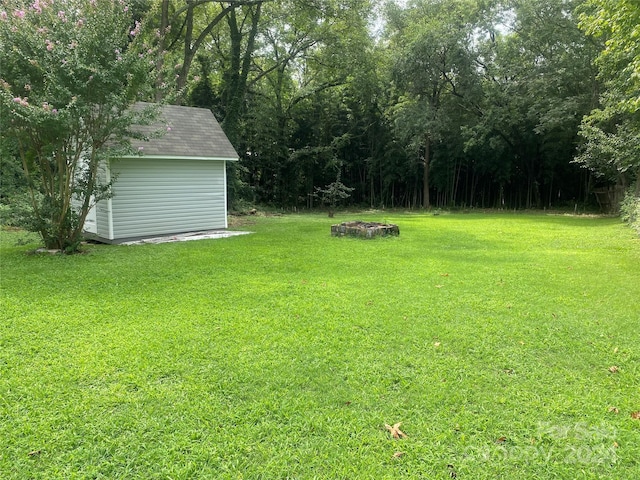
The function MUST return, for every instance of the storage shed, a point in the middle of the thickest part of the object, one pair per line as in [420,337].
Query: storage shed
[177,184]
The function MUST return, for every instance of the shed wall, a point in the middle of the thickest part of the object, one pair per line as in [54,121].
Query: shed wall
[162,196]
[103,208]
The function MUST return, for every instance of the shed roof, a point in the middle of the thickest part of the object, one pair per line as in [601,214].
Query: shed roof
[188,132]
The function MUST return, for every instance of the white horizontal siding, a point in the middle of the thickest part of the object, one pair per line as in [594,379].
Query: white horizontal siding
[161,196]
[103,207]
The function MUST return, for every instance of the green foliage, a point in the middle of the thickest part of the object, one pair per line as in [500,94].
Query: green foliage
[537,81]
[612,131]
[283,353]
[333,194]
[630,209]
[18,211]
[69,75]
[15,202]
[479,100]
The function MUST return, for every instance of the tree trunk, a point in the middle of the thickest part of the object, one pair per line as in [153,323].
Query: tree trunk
[162,46]
[192,45]
[236,78]
[426,203]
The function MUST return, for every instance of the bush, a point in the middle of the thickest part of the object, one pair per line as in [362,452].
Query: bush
[17,211]
[70,73]
[630,210]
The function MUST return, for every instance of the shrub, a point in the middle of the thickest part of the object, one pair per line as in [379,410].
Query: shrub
[630,210]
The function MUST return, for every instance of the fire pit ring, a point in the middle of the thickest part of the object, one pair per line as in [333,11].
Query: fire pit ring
[364,229]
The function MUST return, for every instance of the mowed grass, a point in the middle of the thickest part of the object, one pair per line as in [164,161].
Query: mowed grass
[507,345]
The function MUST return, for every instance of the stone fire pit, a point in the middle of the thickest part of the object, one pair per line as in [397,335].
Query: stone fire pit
[364,229]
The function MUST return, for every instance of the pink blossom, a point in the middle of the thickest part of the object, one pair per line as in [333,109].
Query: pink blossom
[49,45]
[18,13]
[42,30]
[80,23]
[136,29]
[21,101]
[54,111]
[36,6]
[3,15]
[62,15]
[140,149]
[168,128]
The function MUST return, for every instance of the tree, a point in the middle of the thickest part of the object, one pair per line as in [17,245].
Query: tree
[612,131]
[333,193]
[70,72]
[184,30]
[306,52]
[537,81]
[432,38]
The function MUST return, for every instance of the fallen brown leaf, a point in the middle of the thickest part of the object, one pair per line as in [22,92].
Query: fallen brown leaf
[613,369]
[397,455]
[636,415]
[444,274]
[501,440]
[452,472]
[614,410]
[615,445]
[395,431]
[437,344]
[33,453]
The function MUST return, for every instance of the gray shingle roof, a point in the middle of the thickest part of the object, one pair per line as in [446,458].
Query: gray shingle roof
[188,132]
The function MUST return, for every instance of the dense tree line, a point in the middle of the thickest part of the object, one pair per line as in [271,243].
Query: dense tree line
[452,103]
[467,103]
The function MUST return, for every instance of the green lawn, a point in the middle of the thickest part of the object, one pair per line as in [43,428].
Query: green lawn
[284,353]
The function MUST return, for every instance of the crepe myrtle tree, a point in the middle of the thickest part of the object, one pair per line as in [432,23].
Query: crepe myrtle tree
[69,73]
